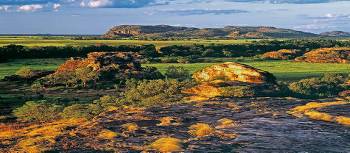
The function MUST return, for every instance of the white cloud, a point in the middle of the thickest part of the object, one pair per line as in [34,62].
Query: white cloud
[30,8]
[56,6]
[4,8]
[96,3]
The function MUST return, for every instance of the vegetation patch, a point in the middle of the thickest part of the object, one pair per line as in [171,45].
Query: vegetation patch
[310,110]
[201,130]
[167,144]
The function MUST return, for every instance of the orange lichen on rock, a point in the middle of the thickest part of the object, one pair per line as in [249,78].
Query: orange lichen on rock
[327,55]
[167,144]
[201,130]
[230,71]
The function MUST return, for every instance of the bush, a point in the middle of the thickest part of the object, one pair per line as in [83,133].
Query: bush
[179,73]
[238,91]
[77,111]
[327,86]
[152,92]
[40,111]
[25,72]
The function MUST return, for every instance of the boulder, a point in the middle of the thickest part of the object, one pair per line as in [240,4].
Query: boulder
[230,71]
[230,80]
[326,55]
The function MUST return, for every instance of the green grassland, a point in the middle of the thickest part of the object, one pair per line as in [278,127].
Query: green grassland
[283,70]
[33,41]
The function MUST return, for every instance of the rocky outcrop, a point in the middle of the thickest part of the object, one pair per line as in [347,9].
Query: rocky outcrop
[165,31]
[105,66]
[230,71]
[336,34]
[230,80]
[283,54]
[326,55]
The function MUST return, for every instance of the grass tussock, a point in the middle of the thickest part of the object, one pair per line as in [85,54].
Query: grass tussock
[107,134]
[226,123]
[201,130]
[300,110]
[130,127]
[168,121]
[167,145]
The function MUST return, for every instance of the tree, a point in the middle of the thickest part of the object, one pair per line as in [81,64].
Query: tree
[86,74]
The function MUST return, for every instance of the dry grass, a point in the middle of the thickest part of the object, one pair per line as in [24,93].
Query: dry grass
[167,145]
[130,127]
[309,110]
[343,120]
[226,123]
[319,116]
[168,121]
[38,138]
[201,130]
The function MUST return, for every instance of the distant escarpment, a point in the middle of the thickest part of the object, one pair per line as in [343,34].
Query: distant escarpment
[233,32]
[336,34]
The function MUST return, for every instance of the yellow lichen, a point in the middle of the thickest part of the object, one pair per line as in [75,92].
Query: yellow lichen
[167,144]
[130,127]
[107,134]
[201,130]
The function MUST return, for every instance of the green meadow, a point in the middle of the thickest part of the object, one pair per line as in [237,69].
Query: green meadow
[283,70]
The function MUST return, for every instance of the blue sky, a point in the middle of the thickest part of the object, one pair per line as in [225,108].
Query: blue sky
[97,16]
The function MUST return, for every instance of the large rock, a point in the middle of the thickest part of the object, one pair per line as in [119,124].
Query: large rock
[230,80]
[233,72]
[326,55]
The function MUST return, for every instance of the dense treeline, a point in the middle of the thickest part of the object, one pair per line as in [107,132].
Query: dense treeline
[213,50]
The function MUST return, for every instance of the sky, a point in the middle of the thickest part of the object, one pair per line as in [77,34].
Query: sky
[97,16]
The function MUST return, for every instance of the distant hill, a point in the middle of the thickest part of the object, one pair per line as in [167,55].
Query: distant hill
[336,34]
[235,32]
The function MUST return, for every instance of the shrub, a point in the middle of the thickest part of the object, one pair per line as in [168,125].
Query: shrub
[201,130]
[77,111]
[238,91]
[25,72]
[38,111]
[327,86]
[152,92]
[179,73]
